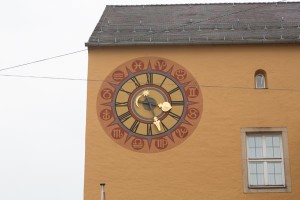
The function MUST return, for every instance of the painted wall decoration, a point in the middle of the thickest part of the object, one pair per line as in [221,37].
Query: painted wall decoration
[149,104]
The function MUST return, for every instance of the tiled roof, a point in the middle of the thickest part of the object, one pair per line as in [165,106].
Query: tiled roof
[234,23]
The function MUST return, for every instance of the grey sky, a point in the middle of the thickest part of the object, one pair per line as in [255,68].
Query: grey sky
[42,121]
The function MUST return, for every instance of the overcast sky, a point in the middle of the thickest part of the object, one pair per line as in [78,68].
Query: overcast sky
[42,120]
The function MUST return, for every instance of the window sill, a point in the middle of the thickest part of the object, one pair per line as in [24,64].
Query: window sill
[261,88]
[267,189]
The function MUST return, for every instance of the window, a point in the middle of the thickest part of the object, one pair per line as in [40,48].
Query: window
[265,163]
[266,166]
[260,79]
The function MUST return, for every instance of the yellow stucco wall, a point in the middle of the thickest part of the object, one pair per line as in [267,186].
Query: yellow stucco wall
[208,165]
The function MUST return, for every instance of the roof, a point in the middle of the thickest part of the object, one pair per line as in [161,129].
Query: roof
[226,23]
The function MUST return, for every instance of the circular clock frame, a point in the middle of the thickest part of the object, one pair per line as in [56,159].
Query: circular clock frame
[149,104]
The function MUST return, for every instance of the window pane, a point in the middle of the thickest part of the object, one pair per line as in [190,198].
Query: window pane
[270,152]
[260,179]
[273,147]
[252,168]
[259,153]
[277,152]
[278,179]
[259,147]
[275,173]
[271,173]
[260,81]
[269,141]
[260,167]
[258,141]
[276,141]
[271,179]
[271,168]
[253,179]
[250,141]
[251,152]
[278,168]
[255,147]
[256,173]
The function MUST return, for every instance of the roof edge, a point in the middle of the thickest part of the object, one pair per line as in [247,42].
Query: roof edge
[190,4]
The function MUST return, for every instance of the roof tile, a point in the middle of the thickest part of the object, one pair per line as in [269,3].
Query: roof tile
[226,23]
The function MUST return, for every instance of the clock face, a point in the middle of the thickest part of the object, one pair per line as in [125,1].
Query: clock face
[149,104]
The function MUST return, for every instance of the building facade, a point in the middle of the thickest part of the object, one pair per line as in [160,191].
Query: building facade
[194,101]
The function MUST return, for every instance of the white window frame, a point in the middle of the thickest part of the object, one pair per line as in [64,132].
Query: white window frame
[265,160]
[286,186]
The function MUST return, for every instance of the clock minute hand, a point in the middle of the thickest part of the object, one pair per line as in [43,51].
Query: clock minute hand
[156,121]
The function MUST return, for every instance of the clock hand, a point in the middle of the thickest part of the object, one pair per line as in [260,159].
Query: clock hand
[156,122]
[150,105]
[165,106]
[143,102]
[145,93]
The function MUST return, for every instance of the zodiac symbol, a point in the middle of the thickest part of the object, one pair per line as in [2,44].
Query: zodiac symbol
[192,92]
[137,143]
[160,65]
[118,76]
[106,114]
[181,132]
[180,74]
[161,143]
[137,65]
[117,133]
[106,93]
[193,113]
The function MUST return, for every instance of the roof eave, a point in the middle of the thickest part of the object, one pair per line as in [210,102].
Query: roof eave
[240,42]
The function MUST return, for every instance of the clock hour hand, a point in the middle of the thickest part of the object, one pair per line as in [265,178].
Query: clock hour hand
[143,102]
[165,106]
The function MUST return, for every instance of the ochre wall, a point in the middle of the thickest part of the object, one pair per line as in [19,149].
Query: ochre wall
[208,165]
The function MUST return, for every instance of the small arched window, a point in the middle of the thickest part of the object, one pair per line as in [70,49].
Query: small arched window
[260,79]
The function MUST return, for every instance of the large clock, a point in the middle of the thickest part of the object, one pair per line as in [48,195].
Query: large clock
[149,104]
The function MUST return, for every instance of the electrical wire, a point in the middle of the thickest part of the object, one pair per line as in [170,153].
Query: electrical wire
[42,60]
[89,80]
[99,80]
[48,77]
[192,23]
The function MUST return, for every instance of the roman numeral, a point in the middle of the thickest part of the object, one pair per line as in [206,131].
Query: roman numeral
[125,116]
[163,81]
[149,78]
[177,103]
[164,126]
[175,116]
[121,104]
[135,126]
[174,90]
[149,129]
[129,93]
[136,82]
